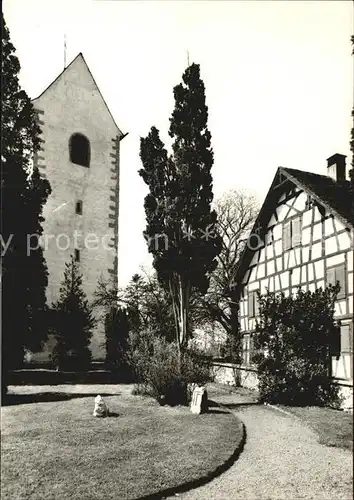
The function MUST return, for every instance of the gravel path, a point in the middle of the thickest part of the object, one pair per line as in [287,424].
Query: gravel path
[282,459]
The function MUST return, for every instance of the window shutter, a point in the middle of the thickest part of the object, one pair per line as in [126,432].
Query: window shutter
[251,304]
[287,236]
[256,304]
[335,342]
[296,232]
[251,348]
[340,276]
[331,276]
[346,346]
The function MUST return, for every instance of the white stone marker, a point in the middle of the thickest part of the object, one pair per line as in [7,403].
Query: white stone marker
[101,409]
[199,400]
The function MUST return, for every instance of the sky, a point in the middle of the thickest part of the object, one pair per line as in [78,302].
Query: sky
[278,78]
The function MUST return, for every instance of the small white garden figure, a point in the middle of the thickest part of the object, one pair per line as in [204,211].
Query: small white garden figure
[199,403]
[101,409]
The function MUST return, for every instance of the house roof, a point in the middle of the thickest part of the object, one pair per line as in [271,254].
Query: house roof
[333,195]
[328,193]
[80,56]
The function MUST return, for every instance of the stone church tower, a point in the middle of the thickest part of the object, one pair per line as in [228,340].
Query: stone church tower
[80,158]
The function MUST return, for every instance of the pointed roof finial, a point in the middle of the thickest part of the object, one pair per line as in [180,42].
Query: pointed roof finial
[188,58]
[64,50]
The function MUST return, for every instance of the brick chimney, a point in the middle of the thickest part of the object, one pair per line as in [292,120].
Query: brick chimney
[336,167]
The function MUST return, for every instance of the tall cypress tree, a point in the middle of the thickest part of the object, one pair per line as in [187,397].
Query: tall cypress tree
[23,194]
[351,171]
[180,223]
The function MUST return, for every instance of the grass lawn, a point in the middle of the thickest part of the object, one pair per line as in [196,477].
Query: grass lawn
[334,428]
[58,450]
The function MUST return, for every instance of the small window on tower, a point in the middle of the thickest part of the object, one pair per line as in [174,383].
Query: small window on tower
[79,148]
[77,255]
[78,207]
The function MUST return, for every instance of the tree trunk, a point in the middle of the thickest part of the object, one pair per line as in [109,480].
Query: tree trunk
[180,293]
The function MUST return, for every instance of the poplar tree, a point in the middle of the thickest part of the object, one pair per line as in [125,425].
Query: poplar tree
[351,171]
[23,194]
[181,227]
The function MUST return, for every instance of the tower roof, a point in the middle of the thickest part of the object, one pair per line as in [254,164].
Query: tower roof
[80,58]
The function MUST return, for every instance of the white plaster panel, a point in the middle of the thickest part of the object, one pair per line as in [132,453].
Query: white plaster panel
[298,255]
[310,271]
[307,218]
[339,226]
[350,282]
[340,308]
[282,211]
[331,245]
[270,251]
[292,213]
[278,232]
[318,215]
[336,259]
[254,260]
[305,254]
[319,269]
[272,221]
[303,274]
[262,255]
[253,286]
[270,267]
[329,226]
[284,277]
[271,284]
[320,284]
[253,273]
[291,261]
[300,202]
[317,231]
[261,271]
[279,261]
[278,247]
[306,236]
[344,241]
[295,277]
[311,287]
[316,250]
[350,261]
[263,286]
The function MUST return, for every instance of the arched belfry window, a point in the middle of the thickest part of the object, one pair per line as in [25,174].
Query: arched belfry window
[79,147]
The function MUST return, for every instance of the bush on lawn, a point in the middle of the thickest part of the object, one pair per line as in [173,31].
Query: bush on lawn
[293,342]
[162,374]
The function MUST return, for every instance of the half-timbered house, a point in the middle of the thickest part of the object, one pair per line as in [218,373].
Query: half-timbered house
[303,237]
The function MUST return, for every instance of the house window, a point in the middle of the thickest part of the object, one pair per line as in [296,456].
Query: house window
[79,148]
[253,305]
[346,339]
[78,207]
[292,233]
[247,349]
[335,343]
[77,255]
[334,274]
